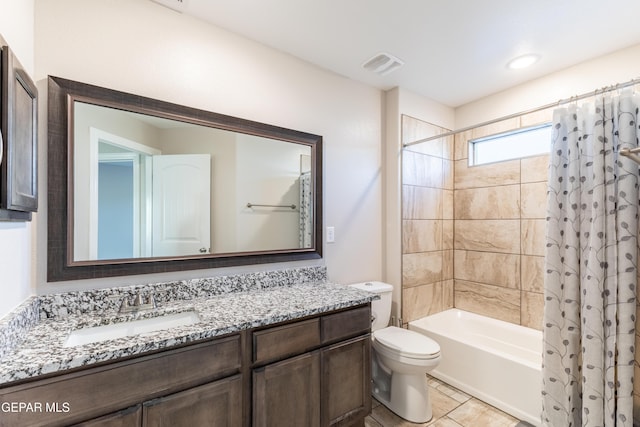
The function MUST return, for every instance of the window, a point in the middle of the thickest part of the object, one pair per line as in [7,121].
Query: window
[516,144]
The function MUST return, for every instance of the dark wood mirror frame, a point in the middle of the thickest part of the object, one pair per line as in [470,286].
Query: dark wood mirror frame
[60,264]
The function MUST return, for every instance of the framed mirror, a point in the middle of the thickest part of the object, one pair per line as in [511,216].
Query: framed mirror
[139,186]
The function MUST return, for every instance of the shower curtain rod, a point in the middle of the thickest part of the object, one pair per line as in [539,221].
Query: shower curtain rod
[533,110]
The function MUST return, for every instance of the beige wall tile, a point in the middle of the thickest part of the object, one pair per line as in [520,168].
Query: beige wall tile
[422,170]
[432,147]
[536,118]
[414,130]
[531,310]
[488,267]
[493,301]
[421,235]
[535,169]
[534,200]
[447,265]
[488,235]
[532,277]
[501,202]
[495,128]
[447,204]
[448,147]
[533,239]
[502,173]
[461,145]
[447,234]
[422,202]
[447,295]
[448,167]
[420,301]
[421,268]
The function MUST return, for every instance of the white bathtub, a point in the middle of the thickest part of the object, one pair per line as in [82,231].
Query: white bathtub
[498,362]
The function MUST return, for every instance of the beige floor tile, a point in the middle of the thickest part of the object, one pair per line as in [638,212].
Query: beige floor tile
[475,413]
[370,422]
[386,418]
[453,393]
[441,403]
[444,422]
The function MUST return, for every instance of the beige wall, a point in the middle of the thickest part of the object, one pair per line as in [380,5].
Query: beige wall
[17,267]
[140,47]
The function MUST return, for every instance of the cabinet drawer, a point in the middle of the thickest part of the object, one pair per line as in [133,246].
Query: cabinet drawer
[287,340]
[345,324]
[97,391]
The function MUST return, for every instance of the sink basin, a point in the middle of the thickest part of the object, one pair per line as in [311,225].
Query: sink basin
[134,327]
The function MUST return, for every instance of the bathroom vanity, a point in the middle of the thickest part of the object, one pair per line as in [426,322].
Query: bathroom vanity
[302,362]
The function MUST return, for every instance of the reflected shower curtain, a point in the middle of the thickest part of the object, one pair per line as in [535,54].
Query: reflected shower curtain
[591,265]
[306,224]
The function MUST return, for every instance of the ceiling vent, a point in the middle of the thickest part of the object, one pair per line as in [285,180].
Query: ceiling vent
[383,63]
[177,5]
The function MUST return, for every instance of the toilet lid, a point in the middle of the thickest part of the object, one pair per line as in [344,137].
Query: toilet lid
[407,343]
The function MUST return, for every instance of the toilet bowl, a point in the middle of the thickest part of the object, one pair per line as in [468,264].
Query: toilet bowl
[400,361]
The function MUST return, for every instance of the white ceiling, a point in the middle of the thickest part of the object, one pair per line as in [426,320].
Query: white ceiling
[455,51]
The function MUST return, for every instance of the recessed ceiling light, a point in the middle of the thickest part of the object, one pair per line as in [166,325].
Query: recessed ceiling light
[523,61]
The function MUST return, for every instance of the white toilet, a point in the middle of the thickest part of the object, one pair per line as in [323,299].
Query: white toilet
[400,360]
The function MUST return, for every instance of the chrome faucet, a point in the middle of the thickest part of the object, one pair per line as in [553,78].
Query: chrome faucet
[138,304]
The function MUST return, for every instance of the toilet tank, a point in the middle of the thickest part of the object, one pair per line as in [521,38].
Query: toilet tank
[380,308]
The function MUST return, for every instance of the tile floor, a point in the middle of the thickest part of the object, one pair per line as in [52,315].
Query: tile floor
[451,408]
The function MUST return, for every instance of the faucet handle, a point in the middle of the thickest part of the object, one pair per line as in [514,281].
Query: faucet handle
[138,300]
[124,304]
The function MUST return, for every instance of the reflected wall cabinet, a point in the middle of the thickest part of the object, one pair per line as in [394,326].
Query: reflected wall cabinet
[18,145]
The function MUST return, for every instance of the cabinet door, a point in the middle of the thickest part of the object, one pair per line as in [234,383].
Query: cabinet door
[130,417]
[287,393]
[346,382]
[19,169]
[214,404]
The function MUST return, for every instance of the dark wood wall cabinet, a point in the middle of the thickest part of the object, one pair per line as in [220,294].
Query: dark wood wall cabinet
[18,139]
[307,372]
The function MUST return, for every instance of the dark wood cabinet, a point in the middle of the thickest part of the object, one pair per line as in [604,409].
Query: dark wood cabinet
[18,139]
[126,418]
[346,383]
[218,403]
[91,393]
[312,372]
[327,386]
[287,393]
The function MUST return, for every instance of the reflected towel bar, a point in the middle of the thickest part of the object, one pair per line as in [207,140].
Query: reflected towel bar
[250,205]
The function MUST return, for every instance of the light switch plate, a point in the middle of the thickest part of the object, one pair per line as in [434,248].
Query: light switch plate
[331,234]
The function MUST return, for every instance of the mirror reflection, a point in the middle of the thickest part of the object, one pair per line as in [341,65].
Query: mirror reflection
[146,187]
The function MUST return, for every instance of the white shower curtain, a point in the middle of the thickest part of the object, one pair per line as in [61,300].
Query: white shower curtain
[591,265]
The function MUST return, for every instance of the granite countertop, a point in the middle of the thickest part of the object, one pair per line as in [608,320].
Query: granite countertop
[42,351]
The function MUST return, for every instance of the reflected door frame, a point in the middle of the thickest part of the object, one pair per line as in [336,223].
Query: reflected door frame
[141,156]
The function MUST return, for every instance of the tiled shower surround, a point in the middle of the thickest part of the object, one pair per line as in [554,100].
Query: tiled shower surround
[473,237]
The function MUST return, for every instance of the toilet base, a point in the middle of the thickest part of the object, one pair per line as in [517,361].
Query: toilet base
[409,397]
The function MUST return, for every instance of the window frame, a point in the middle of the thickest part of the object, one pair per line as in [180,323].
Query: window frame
[474,144]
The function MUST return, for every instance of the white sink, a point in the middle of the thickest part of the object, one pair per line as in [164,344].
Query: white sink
[134,327]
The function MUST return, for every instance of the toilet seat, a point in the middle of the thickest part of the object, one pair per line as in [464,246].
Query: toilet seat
[398,342]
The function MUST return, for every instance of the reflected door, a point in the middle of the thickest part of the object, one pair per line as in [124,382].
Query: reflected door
[116,201]
[181,204]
